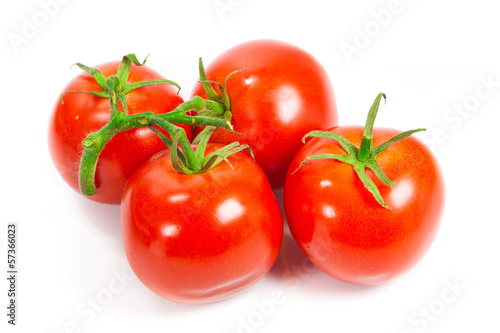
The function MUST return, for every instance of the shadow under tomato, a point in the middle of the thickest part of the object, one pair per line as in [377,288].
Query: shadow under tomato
[103,217]
[155,305]
[296,271]
[278,194]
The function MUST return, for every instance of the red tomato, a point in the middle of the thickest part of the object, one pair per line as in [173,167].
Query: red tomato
[282,94]
[340,226]
[82,114]
[204,237]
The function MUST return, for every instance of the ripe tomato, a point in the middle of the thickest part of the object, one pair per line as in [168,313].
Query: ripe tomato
[204,237]
[82,114]
[281,94]
[340,226]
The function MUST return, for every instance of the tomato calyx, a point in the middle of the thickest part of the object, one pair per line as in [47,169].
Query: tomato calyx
[188,161]
[364,157]
[212,95]
[122,75]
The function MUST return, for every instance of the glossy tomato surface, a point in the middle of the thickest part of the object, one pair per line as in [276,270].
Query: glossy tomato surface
[282,93]
[340,226]
[200,238]
[82,114]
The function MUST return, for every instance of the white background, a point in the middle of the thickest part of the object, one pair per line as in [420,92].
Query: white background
[431,58]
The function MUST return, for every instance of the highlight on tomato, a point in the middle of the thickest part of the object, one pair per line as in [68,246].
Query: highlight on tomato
[364,204]
[196,230]
[277,93]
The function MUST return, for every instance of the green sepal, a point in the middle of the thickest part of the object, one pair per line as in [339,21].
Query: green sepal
[187,161]
[202,140]
[222,154]
[369,184]
[96,74]
[132,86]
[224,94]
[212,95]
[123,102]
[174,153]
[341,158]
[378,172]
[380,148]
[210,163]
[209,90]
[166,140]
[101,94]
[367,140]
[344,143]
[123,70]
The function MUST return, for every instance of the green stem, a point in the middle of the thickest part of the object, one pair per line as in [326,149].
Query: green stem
[113,84]
[367,141]
[119,122]
[136,85]
[191,160]
[124,69]
[93,145]
[203,107]
[208,113]
[211,93]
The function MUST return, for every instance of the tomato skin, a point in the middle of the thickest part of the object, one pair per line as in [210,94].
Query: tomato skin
[82,114]
[281,94]
[339,225]
[200,238]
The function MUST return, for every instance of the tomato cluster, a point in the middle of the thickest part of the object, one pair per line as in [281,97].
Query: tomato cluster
[199,218]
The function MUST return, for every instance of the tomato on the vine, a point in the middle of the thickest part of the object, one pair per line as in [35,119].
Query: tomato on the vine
[370,221]
[82,113]
[203,237]
[281,94]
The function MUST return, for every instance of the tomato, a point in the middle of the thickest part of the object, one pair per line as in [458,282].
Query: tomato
[82,114]
[281,94]
[341,227]
[204,237]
